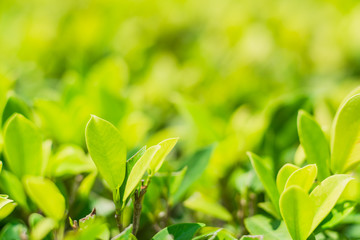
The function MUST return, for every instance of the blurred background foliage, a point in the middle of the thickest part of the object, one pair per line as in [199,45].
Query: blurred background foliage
[233,73]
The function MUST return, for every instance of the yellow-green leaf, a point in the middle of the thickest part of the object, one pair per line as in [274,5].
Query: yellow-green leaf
[46,195]
[283,175]
[6,206]
[265,173]
[23,147]
[303,177]
[166,146]
[298,211]
[107,150]
[345,144]
[138,170]
[326,195]
[314,143]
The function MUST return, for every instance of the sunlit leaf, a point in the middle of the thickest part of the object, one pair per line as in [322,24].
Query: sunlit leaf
[345,144]
[266,176]
[303,177]
[46,196]
[138,170]
[23,147]
[314,143]
[13,105]
[13,186]
[42,228]
[107,150]
[182,231]
[297,210]
[326,195]
[6,207]
[166,146]
[270,229]
[283,175]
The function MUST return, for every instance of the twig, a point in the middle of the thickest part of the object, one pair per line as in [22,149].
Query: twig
[138,199]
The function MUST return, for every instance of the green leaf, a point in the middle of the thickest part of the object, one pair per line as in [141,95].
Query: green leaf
[13,105]
[42,228]
[86,185]
[14,231]
[345,144]
[337,214]
[23,147]
[297,210]
[175,180]
[124,235]
[6,207]
[182,231]
[70,160]
[138,170]
[326,195]
[314,143]
[196,165]
[303,177]
[283,175]
[249,237]
[131,161]
[107,150]
[269,208]
[213,233]
[166,146]
[46,196]
[98,230]
[270,229]
[13,186]
[200,203]
[266,175]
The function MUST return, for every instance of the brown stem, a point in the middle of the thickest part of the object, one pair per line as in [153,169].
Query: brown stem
[138,199]
[118,218]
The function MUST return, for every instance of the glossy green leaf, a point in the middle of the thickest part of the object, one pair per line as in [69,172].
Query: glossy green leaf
[270,229]
[266,175]
[326,195]
[23,147]
[200,203]
[138,170]
[182,231]
[298,211]
[13,105]
[107,150]
[283,175]
[314,143]
[196,165]
[345,144]
[166,146]
[303,177]
[46,195]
